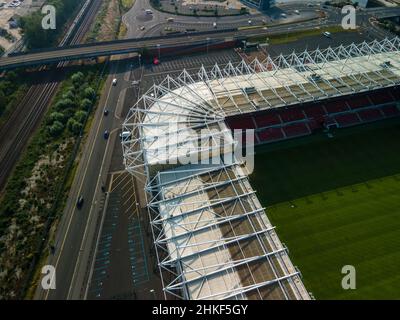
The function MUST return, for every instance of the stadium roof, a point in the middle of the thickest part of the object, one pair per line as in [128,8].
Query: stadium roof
[212,235]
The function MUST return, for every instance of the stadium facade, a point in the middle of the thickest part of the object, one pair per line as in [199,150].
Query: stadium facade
[213,237]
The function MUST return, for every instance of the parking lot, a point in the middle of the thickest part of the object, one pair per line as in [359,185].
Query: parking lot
[123,268]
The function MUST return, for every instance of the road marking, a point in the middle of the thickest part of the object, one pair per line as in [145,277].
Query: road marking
[79,191]
[89,217]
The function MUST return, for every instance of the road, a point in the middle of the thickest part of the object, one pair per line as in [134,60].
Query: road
[77,229]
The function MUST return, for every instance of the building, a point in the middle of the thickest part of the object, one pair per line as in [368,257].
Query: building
[213,238]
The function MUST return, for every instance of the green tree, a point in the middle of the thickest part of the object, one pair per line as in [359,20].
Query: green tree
[56,116]
[80,116]
[74,126]
[56,129]
[86,104]
[77,79]
[89,93]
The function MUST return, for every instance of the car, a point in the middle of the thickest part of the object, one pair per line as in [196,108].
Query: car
[249,22]
[327,34]
[106,112]
[106,134]
[125,135]
[114,82]
[148,11]
[142,28]
[170,19]
[79,202]
[283,15]
[214,24]
[156,61]
[296,11]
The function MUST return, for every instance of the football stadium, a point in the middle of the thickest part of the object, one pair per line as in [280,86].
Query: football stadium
[222,232]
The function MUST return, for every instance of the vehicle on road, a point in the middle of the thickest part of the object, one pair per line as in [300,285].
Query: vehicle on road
[296,11]
[283,15]
[79,202]
[106,112]
[170,19]
[142,28]
[106,134]
[156,61]
[249,22]
[114,82]
[327,34]
[148,11]
[214,24]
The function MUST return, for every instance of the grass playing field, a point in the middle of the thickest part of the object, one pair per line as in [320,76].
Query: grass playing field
[335,202]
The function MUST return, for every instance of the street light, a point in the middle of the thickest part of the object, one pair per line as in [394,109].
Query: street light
[140,60]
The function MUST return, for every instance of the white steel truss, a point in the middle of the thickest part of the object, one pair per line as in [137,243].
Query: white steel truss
[209,229]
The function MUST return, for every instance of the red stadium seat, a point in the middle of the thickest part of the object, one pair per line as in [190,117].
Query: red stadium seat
[314,112]
[266,120]
[245,122]
[390,111]
[347,119]
[292,114]
[270,134]
[359,102]
[336,106]
[296,129]
[380,97]
[370,115]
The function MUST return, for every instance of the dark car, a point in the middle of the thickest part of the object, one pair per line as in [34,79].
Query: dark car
[106,134]
[106,112]
[79,203]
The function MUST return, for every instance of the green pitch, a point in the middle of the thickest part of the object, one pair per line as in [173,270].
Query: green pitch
[335,202]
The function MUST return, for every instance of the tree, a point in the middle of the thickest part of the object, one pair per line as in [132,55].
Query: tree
[56,116]
[89,93]
[65,104]
[77,79]
[74,126]
[86,104]
[56,129]
[80,116]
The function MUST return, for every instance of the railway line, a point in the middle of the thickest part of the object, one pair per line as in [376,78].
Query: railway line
[25,118]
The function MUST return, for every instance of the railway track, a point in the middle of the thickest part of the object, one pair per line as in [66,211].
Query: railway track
[26,117]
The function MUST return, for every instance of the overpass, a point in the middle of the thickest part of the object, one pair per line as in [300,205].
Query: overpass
[93,50]
[383,13]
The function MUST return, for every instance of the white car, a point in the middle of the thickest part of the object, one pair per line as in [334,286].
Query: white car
[327,34]
[114,82]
